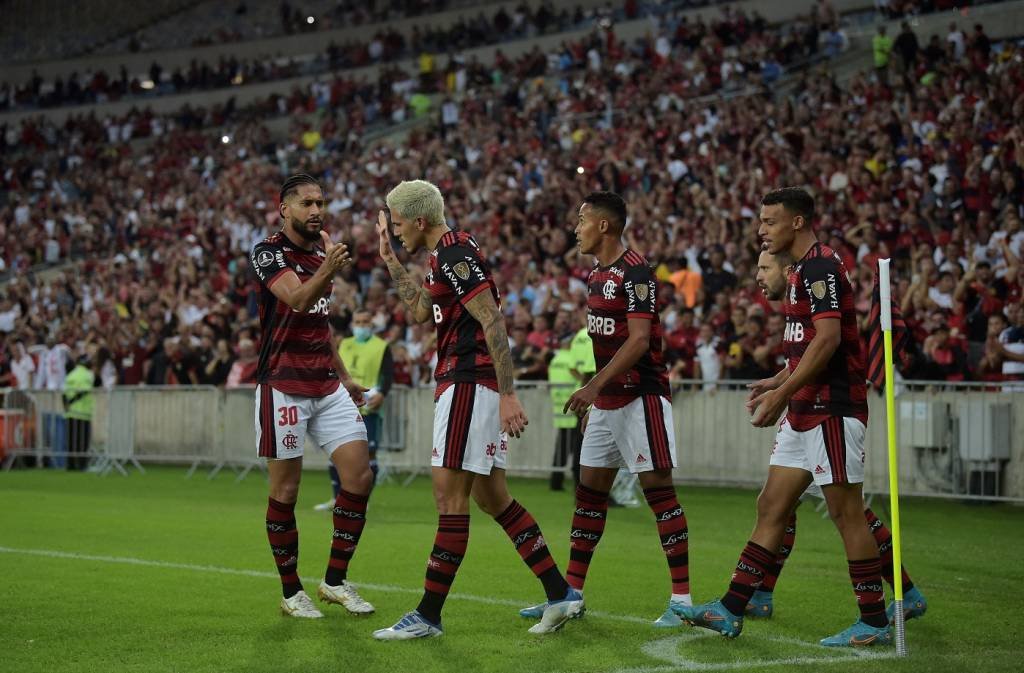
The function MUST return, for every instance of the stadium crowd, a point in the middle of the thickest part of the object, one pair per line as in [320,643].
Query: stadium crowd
[927,169]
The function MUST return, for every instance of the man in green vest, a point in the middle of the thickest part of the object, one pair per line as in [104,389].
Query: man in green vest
[368,359]
[881,48]
[78,404]
[572,365]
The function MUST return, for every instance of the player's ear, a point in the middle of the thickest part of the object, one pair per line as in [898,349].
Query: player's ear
[281,207]
[603,226]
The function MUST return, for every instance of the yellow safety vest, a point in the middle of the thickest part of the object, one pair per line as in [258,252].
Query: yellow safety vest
[79,380]
[559,373]
[363,360]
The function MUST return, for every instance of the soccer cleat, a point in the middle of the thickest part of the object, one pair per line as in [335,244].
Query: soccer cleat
[537,611]
[860,635]
[711,616]
[669,619]
[324,506]
[914,606]
[300,605]
[557,613]
[760,605]
[344,595]
[411,625]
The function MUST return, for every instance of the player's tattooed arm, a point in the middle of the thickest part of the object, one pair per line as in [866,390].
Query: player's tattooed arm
[484,309]
[416,297]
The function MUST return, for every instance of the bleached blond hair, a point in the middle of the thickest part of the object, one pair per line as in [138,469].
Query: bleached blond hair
[417,198]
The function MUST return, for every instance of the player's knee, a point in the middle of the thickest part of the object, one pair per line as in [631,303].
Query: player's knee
[451,503]
[770,510]
[362,482]
[846,514]
[287,492]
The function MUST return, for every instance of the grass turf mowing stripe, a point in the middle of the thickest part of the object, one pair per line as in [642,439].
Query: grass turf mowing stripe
[387,588]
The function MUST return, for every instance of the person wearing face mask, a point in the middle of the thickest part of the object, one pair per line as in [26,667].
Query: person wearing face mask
[368,359]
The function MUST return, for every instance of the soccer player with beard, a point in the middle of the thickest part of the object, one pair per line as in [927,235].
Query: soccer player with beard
[475,406]
[821,440]
[630,424]
[304,391]
[771,278]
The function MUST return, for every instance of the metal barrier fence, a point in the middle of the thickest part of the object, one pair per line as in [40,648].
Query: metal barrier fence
[956,440]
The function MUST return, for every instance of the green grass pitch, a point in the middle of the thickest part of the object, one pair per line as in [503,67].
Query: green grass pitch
[158,573]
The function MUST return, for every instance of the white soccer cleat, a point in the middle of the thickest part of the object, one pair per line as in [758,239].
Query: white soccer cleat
[557,613]
[300,605]
[324,506]
[346,596]
[411,625]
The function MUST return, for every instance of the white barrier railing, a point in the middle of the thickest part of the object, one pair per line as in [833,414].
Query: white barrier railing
[956,440]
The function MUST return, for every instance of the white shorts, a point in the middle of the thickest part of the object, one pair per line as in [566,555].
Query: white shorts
[467,430]
[639,436]
[283,421]
[832,452]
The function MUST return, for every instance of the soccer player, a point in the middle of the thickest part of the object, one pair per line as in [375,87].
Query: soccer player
[821,440]
[771,278]
[304,390]
[475,406]
[630,422]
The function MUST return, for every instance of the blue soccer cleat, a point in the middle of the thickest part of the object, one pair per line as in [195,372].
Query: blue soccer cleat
[860,635]
[914,606]
[712,616]
[537,611]
[411,625]
[669,619]
[760,605]
[557,613]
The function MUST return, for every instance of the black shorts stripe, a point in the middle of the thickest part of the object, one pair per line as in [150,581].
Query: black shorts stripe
[459,416]
[657,433]
[833,432]
[268,433]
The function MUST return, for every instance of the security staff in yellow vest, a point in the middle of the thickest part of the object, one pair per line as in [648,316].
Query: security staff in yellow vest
[368,359]
[78,405]
[572,365]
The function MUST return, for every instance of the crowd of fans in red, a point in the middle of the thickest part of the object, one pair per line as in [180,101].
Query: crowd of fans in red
[927,169]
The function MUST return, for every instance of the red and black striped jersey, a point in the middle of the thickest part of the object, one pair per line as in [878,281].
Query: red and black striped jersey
[295,347]
[458,272]
[819,287]
[622,290]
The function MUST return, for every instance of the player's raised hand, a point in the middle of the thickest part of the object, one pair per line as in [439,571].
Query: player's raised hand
[386,252]
[580,401]
[513,418]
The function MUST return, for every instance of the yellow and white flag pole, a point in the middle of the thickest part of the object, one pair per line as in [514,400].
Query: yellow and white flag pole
[885,301]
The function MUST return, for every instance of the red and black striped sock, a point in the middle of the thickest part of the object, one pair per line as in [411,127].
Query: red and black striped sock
[883,538]
[525,534]
[349,519]
[675,536]
[449,548]
[771,576]
[866,577]
[284,544]
[587,528]
[750,571]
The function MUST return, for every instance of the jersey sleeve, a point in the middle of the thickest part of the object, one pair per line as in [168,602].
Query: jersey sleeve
[821,280]
[267,262]
[462,269]
[639,285]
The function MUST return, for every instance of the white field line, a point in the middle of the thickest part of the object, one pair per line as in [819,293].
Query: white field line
[664,649]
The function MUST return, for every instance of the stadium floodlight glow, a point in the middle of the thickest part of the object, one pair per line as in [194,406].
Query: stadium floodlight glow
[580,170]
[310,20]
[225,139]
[147,84]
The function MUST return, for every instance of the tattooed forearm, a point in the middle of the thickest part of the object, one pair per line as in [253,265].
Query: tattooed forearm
[415,297]
[483,308]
